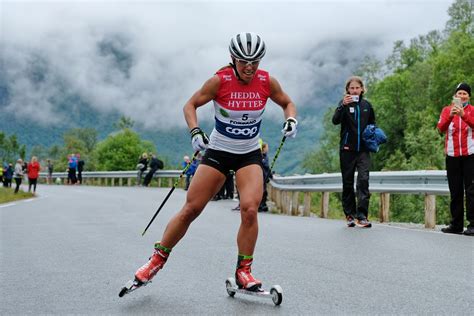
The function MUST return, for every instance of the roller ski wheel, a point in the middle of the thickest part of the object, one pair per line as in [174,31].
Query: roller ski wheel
[275,293]
[131,286]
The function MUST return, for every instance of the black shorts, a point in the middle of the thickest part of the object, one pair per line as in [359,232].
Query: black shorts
[225,161]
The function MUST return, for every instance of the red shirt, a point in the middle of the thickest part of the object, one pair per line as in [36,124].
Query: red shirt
[459,131]
[33,170]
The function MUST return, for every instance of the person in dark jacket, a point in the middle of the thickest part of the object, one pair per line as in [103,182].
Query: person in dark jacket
[141,167]
[155,164]
[80,168]
[266,177]
[354,113]
[7,175]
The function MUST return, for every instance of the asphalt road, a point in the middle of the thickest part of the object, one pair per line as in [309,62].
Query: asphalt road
[70,250]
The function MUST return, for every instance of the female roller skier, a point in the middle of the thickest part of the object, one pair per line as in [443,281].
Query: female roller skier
[240,92]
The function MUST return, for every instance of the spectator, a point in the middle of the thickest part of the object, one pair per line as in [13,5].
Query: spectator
[1,173]
[457,121]
[155,164]
[266,176]
[80,168]
[18,174]
[354,113]
[72,167]
[141,167]
[191,170]
[50,171]
[7,175]
[33,173]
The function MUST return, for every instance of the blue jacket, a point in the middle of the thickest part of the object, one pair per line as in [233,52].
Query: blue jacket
[373,137]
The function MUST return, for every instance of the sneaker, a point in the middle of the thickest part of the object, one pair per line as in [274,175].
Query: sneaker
[451,230]
[469,231]
[237,208]
[244,277]
[350,221]
[364,223]
[151,268]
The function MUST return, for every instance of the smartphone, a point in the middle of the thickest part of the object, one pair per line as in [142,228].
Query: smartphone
[457,102]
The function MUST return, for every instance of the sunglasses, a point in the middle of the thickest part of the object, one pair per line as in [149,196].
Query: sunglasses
[242,62]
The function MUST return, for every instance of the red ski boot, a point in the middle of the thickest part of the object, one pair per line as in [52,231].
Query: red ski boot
[243,275]
[156,262]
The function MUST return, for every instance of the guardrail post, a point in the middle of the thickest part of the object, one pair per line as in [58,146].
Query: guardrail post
[278,200]
[120,182]
[112,182]
[430,211]
[324,204]
[307,204]
[286,203]
[129,182]
[294,203]
[384,207]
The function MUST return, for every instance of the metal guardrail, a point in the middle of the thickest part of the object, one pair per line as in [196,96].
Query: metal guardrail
[400,182]
[285,190]
[116,174]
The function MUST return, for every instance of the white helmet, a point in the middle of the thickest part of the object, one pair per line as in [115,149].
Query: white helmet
[247,46]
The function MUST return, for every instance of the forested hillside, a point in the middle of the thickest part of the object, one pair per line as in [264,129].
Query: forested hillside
[408,91]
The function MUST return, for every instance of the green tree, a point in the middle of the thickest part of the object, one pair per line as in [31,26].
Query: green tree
[120,151]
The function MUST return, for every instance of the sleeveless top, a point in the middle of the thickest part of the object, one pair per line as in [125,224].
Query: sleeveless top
[238,112]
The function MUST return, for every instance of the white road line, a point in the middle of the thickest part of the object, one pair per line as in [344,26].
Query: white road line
[7,205]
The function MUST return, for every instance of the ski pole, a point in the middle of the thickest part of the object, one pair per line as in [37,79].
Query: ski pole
[171,191]
[274,159]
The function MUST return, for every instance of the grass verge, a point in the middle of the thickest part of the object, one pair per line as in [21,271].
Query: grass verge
[8,195]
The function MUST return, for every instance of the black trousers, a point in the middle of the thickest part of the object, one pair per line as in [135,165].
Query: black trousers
[460,171]
[350,161]
[18,183]
[148,177]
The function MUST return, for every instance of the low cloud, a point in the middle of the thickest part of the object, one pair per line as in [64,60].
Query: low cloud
[145,60]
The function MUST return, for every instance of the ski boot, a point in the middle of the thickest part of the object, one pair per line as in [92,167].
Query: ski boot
[145,273]
[245,283]
[243,275]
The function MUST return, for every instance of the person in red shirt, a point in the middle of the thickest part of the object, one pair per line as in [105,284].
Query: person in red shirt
[457,121]
[240,92]
[33,173]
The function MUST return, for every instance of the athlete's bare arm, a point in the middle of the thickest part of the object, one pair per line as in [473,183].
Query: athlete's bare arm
[207,93]
[280,97]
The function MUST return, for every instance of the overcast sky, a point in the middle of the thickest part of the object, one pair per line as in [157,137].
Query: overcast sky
[146,58]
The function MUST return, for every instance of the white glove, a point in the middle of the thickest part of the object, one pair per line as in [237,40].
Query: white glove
[199,139]
[289,128]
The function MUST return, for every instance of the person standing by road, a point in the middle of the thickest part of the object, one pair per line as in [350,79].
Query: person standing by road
[50,167]
[240,92]
[80,168]
[18,174]
[33,173]
[457,121]
[354,113]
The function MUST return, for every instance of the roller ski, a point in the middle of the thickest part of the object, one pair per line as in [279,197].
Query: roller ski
[275,293]
[145,273]
[131,286]
[245,283]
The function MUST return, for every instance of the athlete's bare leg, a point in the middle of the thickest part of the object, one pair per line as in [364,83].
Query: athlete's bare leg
[249,181]
[205,184]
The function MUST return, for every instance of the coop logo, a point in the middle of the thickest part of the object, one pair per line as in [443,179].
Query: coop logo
[242,131]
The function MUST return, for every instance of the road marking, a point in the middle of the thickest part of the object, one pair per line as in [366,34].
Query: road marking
[7,205]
